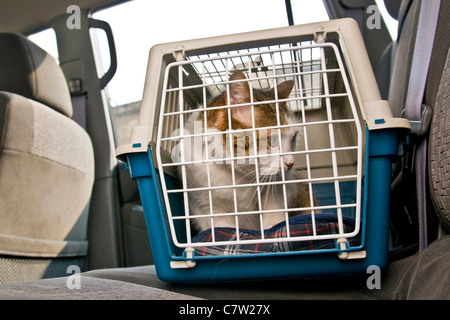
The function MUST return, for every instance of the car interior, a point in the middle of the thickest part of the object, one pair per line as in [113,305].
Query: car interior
[71,214]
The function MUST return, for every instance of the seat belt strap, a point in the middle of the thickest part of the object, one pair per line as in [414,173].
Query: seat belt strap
[414,111]
[429,13]
[79,109]
[78,101]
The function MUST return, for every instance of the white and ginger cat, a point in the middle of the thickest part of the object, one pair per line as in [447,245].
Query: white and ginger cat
[245,171]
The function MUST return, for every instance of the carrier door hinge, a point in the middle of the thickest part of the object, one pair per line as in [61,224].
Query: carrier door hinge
[347,255]
[184,264]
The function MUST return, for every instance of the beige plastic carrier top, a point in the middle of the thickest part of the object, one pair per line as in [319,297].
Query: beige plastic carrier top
[375,112]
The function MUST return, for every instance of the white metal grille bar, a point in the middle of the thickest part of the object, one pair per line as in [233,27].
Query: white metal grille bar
[315,123]
[183,168]
[208,168]
[251,157]
[331,95]
[305,139]
[326,179]
[242,213]
[224,82]
[333,144]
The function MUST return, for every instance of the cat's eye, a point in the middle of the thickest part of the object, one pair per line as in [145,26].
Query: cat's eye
[272,140]
[294,141]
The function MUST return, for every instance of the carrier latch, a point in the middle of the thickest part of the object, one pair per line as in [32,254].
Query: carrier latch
[346,255]
[184,264]
[179,54]
[320,35]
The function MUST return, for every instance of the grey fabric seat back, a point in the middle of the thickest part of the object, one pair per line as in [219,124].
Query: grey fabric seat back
[46,166]
[439,149]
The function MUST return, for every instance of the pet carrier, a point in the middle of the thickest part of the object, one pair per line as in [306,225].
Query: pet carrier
[328,137]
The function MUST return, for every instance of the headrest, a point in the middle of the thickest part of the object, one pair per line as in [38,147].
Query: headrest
[29,71]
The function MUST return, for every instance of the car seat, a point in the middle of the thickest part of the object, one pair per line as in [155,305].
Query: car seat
[46,167]
[404,206]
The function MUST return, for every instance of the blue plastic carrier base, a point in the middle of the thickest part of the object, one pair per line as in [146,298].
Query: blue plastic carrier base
[174,266]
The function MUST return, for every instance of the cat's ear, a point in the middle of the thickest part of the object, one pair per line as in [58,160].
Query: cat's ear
[240,93]
[284,89]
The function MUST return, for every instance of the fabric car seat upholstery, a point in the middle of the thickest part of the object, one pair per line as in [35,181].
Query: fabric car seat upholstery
[436,97]
[46,166]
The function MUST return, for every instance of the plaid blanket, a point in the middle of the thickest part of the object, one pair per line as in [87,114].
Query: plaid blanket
[300,225]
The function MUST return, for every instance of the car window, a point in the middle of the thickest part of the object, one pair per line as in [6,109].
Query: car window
[390,22]
[140,24]
[46,39]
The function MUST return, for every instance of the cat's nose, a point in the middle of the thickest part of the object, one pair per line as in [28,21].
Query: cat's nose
[288,162]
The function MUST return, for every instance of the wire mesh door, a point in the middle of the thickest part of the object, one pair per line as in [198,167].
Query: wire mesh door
[260,139]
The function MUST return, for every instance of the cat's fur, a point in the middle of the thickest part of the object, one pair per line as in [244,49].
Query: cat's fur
[221,172]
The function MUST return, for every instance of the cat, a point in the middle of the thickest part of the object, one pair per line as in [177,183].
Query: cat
[218,147]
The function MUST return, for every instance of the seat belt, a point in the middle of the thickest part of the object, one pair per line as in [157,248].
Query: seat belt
[79,109]
[419,114]
[78,102]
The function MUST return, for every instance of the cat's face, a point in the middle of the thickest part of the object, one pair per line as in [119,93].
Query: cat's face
[274,164]
[269,140]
